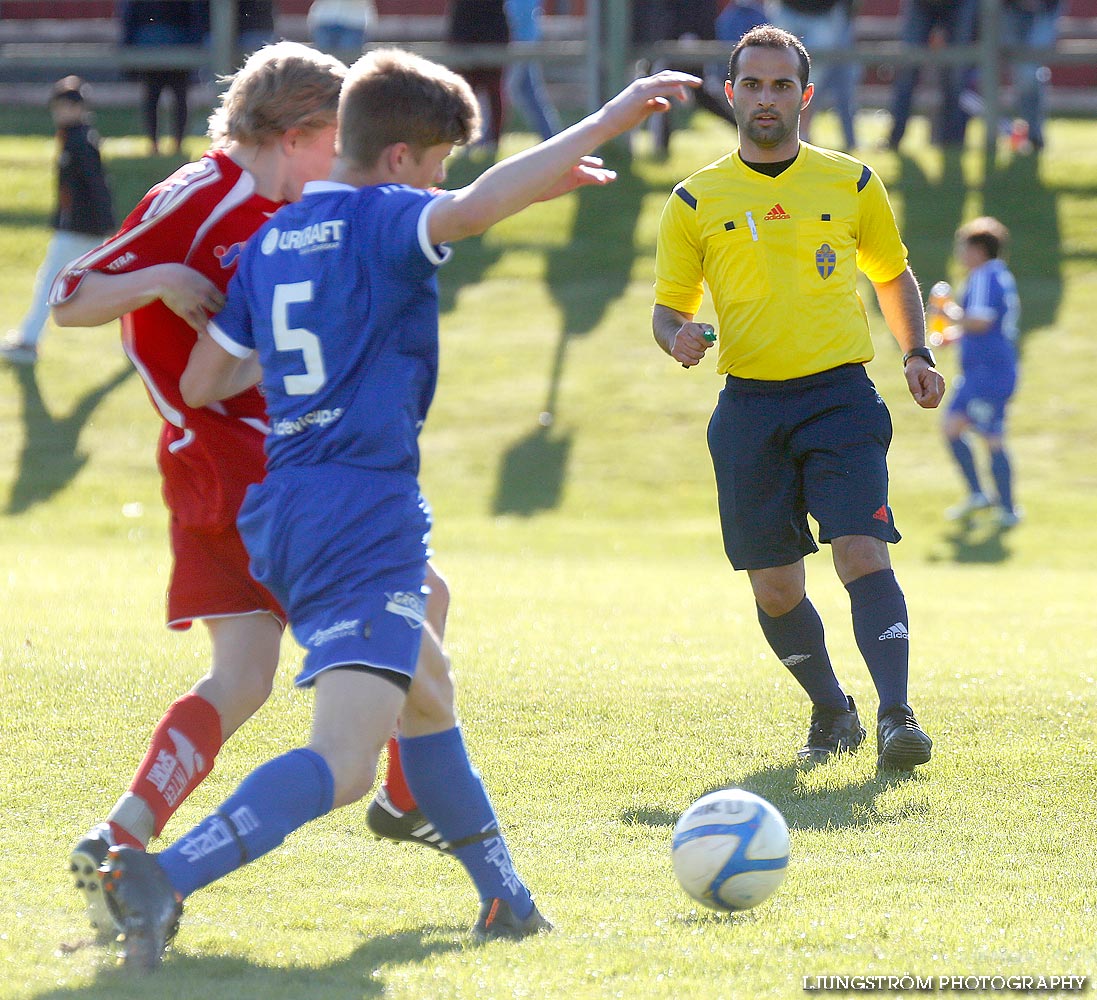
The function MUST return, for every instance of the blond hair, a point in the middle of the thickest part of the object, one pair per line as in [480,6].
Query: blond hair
[392,96]
[281,86]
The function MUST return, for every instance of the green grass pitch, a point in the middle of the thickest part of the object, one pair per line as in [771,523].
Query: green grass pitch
[610,669]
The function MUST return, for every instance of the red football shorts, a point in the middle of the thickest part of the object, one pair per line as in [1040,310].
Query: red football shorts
[210,577]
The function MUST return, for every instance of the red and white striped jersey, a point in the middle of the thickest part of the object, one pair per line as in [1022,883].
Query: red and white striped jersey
[200,216]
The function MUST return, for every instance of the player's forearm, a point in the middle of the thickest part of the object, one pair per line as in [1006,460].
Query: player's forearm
[519,180]
[516,182]
[101,298]
[665,324]
[974,325]
[901,304]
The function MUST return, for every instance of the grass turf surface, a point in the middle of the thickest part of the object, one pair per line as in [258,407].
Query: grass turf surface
[610,668]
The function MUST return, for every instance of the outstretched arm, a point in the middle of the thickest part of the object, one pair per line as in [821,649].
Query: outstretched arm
[901,303]
[535,173]
[589,170]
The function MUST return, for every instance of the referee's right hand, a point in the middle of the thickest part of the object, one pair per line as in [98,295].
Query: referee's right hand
[690,343]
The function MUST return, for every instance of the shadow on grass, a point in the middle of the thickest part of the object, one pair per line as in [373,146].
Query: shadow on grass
[849,805]
[532,473]
[1014,193]
[50,458]
[593,268]
[585,277]
[23,218]
[359,974]
[473,256]
[1017,195]
[973,542]
[933,208]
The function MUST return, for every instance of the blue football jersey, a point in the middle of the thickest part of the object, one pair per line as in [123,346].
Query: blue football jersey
[991,294]
[338,295]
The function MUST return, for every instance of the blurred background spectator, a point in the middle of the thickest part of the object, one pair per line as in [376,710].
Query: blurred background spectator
[934,22]
[1034,23]
[680,20]
[82,218]
[341,26]
[820,25]
[482,22]
[254,24]
[736,19]
[525,83]
[163,23]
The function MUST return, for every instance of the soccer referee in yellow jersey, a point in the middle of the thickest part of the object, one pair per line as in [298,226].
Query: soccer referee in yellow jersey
[778,230]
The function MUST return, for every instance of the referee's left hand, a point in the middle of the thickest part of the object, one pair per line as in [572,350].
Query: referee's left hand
[926,384]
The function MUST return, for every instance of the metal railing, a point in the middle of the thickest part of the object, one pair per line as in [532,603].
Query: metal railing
[605,54]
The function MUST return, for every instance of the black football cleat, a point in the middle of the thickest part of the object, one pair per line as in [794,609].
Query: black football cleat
[387,821]
[901,744]
[832,731]
[144,906]
[84,861]
[497,921]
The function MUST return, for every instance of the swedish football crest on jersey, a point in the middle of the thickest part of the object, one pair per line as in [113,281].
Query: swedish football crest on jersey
[825,259]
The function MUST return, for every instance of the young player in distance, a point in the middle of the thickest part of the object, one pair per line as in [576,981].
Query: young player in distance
[334,306]
[986,328]
[777,229]
[83,217]
[163,273]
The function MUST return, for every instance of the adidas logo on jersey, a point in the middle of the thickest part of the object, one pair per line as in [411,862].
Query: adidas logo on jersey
[897,631]
[777,212]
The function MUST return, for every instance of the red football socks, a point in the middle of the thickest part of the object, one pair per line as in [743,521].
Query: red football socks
[395,783]
[179,757]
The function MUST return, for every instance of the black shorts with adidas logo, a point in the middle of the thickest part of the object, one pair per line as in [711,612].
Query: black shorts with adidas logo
[782,450]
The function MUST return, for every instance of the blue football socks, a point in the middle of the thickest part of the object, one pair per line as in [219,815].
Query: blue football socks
[797,639]
[961,451]
[452,796]
[1003,478]
[879,611]
[270,803]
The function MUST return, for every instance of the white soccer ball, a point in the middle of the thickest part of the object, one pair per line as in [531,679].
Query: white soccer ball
[730,849]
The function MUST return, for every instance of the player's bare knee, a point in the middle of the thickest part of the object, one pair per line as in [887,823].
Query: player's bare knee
[237,696]
[777,596]
[430,704]
[353,772]
[777,604]
[858,555]
[253,688]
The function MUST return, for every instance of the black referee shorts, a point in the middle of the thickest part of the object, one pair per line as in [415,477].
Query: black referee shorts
[782,450]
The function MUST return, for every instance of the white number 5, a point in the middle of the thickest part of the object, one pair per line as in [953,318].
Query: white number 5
[287,338]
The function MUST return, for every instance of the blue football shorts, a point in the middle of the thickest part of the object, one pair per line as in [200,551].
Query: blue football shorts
[345,551]
[982,398]
[782,450]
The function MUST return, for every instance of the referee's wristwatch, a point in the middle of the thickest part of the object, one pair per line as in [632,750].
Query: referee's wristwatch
[920,352]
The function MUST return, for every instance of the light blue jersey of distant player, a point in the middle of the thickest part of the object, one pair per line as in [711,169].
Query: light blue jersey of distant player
[988,360]
[991,294]
[338,295]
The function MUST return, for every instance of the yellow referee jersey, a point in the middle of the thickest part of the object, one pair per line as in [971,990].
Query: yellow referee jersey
[780,257]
